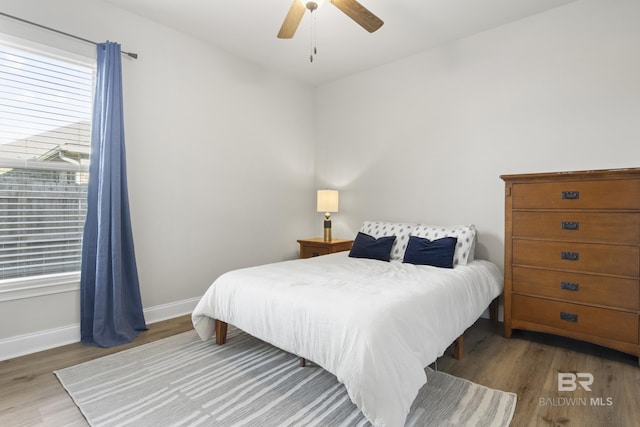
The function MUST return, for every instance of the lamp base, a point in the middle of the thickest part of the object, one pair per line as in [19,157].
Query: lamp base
[327,230]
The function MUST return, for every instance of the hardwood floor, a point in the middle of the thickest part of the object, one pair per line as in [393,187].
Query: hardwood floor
[526,364]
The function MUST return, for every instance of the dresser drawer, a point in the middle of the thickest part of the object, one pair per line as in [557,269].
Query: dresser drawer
[610,324]
[578,257]
[578,288]
[604,194]
[616,227]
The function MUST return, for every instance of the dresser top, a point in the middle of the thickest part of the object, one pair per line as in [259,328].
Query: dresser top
[575,175]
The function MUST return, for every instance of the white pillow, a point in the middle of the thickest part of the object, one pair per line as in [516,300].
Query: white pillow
[381,229]
[466,236]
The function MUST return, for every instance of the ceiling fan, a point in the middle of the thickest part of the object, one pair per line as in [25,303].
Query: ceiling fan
[351,8]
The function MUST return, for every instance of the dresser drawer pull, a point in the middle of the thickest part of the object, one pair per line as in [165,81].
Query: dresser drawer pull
[570,225]
[569,286]
[568,317]
[570,256]
[571,195]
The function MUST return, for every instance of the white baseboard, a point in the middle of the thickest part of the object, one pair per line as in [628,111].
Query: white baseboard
[21,345]
[169,311]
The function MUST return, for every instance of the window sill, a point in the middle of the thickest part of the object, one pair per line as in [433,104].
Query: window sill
[30,287]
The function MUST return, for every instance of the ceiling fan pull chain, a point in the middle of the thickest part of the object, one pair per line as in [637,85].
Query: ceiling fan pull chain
[312,48]
[315,35]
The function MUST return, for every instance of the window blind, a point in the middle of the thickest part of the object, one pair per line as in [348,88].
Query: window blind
[45,127]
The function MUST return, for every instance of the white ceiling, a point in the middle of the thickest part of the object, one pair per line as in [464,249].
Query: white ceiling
[248,29]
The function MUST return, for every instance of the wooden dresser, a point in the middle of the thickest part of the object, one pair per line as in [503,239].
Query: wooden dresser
[572,255]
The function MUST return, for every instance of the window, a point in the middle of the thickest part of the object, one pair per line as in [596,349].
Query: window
[45,126]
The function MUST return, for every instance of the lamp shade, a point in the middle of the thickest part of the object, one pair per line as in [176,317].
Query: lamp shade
[327,200]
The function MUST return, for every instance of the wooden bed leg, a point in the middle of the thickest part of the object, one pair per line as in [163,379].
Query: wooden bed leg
[221,332]
[303,362]
[493,309]
[458,348]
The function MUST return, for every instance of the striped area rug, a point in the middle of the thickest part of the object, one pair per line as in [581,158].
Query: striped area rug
[182,381]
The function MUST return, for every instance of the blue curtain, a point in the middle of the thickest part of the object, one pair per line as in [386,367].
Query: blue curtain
[110,302]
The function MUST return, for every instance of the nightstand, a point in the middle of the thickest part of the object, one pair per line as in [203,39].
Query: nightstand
[316,246]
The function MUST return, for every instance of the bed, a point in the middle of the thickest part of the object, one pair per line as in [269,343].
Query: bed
[374,324]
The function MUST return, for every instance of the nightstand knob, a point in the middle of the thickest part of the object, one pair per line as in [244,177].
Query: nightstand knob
[569,317]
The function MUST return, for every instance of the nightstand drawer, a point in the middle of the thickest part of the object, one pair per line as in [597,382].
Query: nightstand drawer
[603,194]
[623,228]
[578,288]
[578,257]
[310,251]
[600,322]
[317,246]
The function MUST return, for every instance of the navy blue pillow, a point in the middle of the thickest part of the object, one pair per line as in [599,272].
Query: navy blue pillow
[365,246]
[438,253]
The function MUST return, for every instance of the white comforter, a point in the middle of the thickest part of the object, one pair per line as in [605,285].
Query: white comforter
[373,324]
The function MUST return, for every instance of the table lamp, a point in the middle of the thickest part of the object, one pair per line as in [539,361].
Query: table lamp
[327,203]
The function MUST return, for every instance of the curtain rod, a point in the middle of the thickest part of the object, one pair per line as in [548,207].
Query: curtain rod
[129,54]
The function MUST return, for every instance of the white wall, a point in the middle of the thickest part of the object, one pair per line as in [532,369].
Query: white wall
[427,137]
[219,151]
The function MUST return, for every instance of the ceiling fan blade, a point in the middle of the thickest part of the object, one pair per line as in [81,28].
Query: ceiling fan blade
[292,20]
[359,13]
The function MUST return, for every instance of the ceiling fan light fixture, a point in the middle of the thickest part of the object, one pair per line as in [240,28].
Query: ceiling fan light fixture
[352,8]
[313,4]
